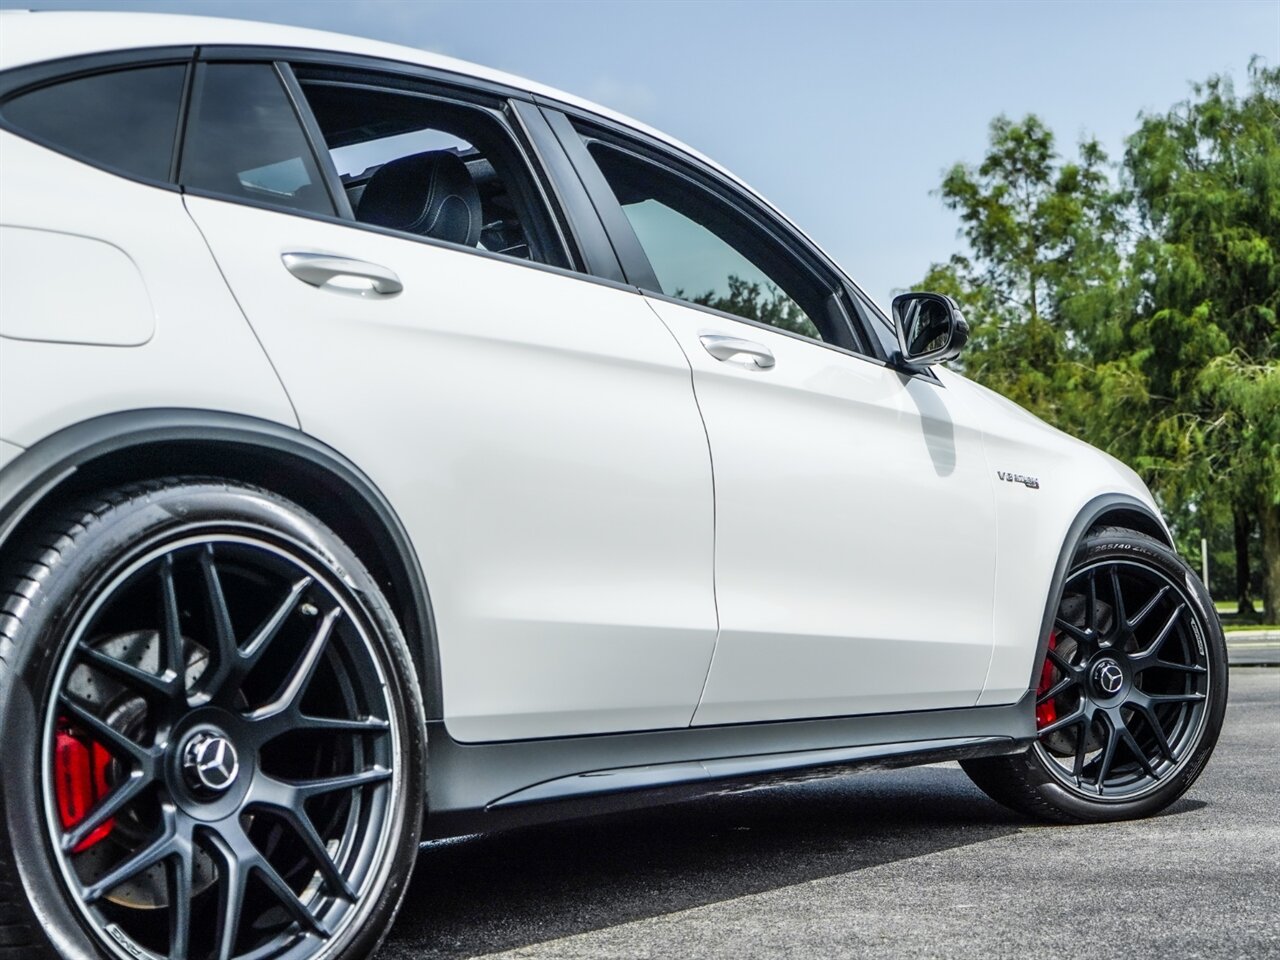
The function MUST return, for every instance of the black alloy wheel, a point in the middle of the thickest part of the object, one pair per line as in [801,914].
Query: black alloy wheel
[1130,696]
[1125,689]
[229,746]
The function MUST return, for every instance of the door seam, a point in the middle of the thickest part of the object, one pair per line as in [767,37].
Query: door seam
[711,460]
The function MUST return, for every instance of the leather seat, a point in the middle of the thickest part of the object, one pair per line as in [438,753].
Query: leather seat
[430,194]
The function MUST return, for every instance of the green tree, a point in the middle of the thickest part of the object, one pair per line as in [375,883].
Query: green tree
[1205,178]
[1143,317]
[757,301]
[1044,272]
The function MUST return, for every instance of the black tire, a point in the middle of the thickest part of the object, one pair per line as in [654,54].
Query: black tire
[50,584]
[1038,782]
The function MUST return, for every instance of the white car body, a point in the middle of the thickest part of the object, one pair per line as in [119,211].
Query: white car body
[618,531]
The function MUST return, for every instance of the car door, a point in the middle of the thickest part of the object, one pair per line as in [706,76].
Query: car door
[536,430]
[854,510]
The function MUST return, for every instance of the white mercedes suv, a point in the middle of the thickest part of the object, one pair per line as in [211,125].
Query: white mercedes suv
[393,447]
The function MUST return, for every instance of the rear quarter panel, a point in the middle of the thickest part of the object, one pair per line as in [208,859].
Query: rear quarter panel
[112,302]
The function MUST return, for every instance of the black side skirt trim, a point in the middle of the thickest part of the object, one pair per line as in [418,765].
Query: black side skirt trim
[486,786]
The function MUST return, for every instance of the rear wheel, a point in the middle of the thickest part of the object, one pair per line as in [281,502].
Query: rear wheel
[1131,695]
[220,733]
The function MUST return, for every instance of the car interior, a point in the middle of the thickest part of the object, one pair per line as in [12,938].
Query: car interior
[416,163]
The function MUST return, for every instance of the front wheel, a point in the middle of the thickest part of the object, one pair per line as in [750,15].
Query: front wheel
[1131,694]
[212,735]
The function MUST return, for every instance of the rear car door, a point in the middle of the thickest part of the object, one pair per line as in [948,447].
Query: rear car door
[535,429]
[854,511]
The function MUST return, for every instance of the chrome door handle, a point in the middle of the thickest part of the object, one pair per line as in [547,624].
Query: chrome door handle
[318,269]
[737,350]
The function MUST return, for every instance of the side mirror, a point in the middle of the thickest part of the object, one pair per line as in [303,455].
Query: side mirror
[931,328]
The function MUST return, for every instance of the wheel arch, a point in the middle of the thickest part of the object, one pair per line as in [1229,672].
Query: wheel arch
[145,444]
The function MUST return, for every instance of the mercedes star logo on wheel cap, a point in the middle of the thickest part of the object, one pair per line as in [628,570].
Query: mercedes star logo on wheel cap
[211,762]
[1108,676]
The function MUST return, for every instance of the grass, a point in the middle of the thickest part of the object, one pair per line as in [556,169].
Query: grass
[1232,620]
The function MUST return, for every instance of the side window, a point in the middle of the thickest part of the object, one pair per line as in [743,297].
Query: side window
[705,251]
[412,160]
[245,140]
[126,120]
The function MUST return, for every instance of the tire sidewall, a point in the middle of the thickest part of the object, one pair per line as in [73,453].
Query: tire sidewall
[81,562]
[1137,548]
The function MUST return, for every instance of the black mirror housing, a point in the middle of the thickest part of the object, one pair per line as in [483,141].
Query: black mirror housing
[931,329]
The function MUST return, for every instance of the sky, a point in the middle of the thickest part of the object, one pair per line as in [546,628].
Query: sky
[845,115]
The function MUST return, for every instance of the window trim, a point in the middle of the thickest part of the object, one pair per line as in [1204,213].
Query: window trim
[315,140]
[18,81]
[575,209]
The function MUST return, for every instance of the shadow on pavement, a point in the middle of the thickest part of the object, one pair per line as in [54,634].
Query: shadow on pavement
[494,892]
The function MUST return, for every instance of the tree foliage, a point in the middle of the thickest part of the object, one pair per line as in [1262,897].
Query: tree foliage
[1136,306]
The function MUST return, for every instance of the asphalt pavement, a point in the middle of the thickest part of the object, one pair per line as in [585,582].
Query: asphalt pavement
[908,864]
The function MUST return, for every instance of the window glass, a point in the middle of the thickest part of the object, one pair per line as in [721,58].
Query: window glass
[707,253]
[126,119]
[244,140]
[412,161]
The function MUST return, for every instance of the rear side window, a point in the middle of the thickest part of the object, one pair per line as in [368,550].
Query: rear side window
[412,159]
[125,120]
[244,140]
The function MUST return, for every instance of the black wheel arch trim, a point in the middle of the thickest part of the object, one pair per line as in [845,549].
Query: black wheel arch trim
[1125,510]
[47,468]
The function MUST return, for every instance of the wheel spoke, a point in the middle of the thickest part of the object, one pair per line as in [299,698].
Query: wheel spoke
[1056,690]
[339,725]
[291,693]
[1150,661]
[1149,606]
[314,788]
[1153,724]
[1156,699]
[1080,634]
[1091,615]
[287,804]
[1072,718]
[158,849]
[107,734]
[230,897]
[224,635]
[105,809]
[1165,631]
[1082,748]
[1120,618]
[1131,744]
[173,657]
[1062,663]
[1108,753]
[288,899]
[140,681]
[179,880]
[261,640]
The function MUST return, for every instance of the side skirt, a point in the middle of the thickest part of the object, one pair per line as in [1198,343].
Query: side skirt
[475,787]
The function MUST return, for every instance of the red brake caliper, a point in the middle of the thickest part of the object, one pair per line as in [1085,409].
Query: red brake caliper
[1046,712]
[80,780]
